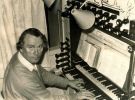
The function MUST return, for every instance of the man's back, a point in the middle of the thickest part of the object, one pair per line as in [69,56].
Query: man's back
[16,80]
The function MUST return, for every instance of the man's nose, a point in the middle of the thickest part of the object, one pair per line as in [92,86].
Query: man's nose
[36,51]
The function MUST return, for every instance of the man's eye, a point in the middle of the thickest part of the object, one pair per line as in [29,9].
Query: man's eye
[30,47]
[40,47]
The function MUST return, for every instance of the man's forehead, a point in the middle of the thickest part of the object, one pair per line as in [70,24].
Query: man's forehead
[32,39]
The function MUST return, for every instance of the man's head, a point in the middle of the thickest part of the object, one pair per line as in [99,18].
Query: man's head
[31,45]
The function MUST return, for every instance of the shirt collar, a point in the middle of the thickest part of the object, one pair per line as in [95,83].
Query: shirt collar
[26,63]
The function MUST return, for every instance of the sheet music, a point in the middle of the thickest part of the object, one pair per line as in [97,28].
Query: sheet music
[84,49]
[114,65]
[92,55]
[88,52]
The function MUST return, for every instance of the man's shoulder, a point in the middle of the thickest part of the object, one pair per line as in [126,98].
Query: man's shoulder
[15,68]
[14,60]
[15,63]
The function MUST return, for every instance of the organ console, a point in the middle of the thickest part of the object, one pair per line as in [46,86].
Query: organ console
[95,81]
[102,57]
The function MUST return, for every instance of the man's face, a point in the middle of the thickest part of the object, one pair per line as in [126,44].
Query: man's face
[32,48]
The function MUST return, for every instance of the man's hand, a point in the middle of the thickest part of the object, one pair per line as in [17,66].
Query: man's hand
[76,84]
[82,94]
[85,95]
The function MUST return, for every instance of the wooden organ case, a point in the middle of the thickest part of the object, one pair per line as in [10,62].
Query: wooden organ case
[102,56]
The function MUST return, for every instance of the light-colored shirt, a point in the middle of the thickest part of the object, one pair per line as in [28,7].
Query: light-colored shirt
[26,63]
[21,82]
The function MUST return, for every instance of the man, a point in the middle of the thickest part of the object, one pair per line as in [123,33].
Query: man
[25,79]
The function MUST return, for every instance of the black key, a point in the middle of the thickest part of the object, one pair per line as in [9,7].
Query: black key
[111,87]
[83,64]
[106,83]
[86,67]
[91,71]
[96,75]
[117,92]
[100,79]
[76,76]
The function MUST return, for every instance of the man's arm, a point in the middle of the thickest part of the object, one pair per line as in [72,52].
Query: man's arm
[51,79]
[28,85]
[54,80]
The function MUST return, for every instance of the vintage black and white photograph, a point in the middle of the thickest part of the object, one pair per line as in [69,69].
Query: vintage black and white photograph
[67,50]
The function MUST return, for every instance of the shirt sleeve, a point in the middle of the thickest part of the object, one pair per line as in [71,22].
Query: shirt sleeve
[53,80]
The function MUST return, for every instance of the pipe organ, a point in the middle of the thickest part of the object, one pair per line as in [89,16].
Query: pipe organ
[102,56]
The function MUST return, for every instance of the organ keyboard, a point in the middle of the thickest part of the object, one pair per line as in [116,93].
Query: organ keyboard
[100,84]
[95,82]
